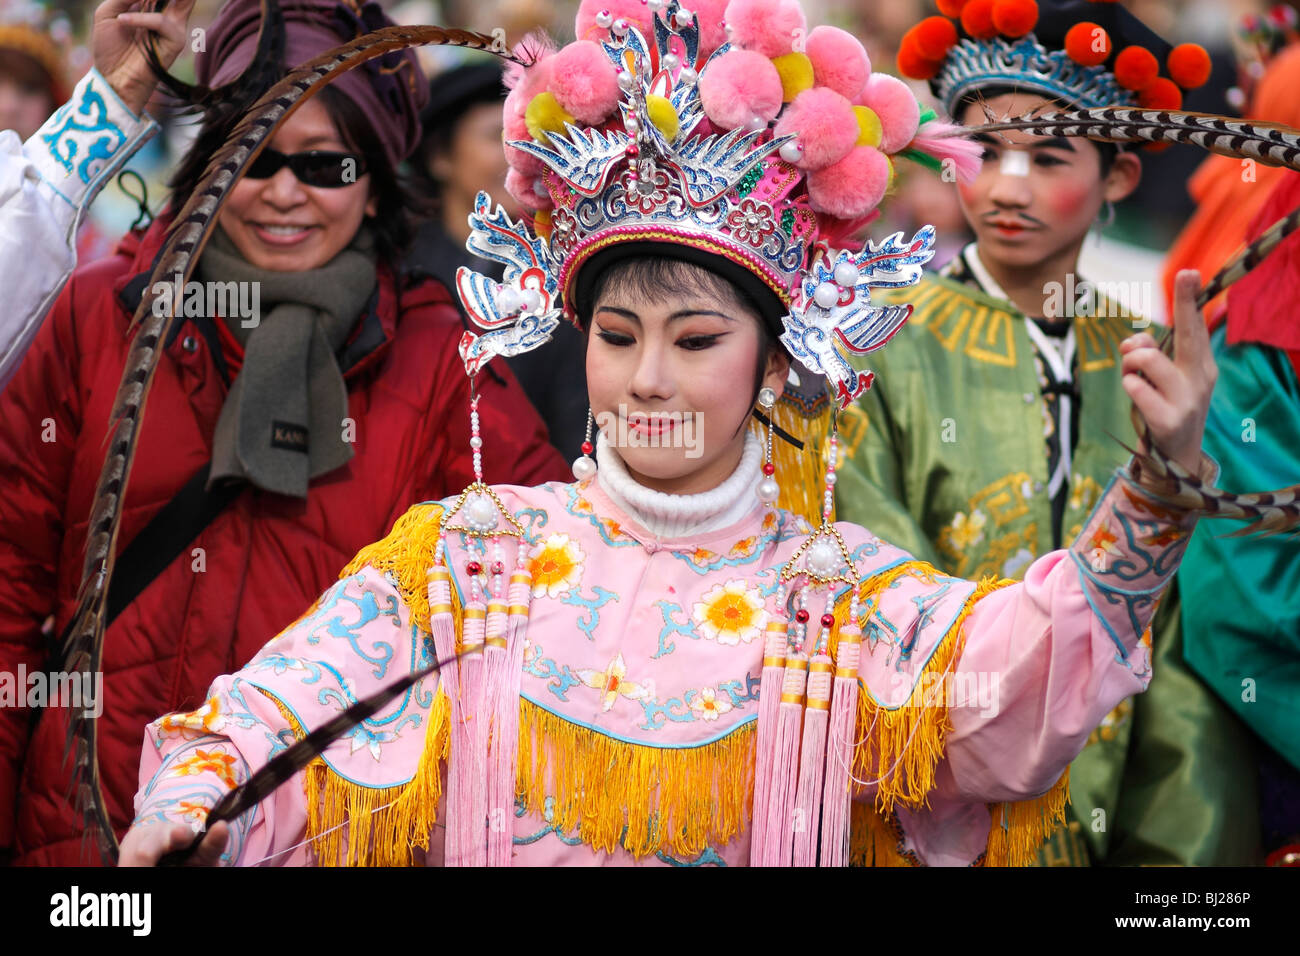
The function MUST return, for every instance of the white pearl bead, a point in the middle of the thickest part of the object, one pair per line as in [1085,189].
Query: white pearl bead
[823,558]
[508,301]
[831,478]
[626,81]
[826,295]
[631,124]
[670,62]
[480,512]
[684,18]
[768,491]
[604,19]
[688,76]
[755,123]
[792,151]
[476,442]
[846,274]
[584,468]
[767,396]
[656,5]
[621,28]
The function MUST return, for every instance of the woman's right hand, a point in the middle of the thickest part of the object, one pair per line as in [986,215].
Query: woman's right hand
[146,845]
[119,58]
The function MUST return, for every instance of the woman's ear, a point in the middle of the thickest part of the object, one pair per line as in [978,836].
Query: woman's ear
[1124,176]
[777,370]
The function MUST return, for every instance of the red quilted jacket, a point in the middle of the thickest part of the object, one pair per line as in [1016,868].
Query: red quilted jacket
[263,560]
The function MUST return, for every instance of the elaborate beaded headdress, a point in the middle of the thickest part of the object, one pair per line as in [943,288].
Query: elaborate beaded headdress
[730,136]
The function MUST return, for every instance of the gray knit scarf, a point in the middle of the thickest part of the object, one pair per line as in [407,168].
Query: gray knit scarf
[283,421]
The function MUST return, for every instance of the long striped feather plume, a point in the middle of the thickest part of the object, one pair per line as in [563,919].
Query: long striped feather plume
[182,246]
[1274,512]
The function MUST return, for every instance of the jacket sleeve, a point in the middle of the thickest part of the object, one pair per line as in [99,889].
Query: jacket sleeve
[516,449]
[45,187]
[40,423]
[871,488]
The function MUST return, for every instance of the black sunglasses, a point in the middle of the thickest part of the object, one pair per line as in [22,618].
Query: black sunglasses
[324,170]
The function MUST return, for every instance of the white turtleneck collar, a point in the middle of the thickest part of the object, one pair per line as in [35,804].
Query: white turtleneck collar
[673,516]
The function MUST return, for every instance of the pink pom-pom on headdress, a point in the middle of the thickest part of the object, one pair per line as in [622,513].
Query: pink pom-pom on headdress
[891,99]
[738,86]
[825,125]
[515,128]
[635,12]
[852,187]
[528,191]
[946,141]
[838,60]
[768,27]
[711,16]
[585,82]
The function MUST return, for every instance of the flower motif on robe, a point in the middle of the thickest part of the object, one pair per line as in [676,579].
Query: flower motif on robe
[556,567]
[731,613]
[612,683]
[194,814]
[208,719]
[963,532]
[1084,492]
[208,761]
[1103,540]
[708,705]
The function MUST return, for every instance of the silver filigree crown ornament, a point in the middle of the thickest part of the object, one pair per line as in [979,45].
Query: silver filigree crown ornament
[756,149]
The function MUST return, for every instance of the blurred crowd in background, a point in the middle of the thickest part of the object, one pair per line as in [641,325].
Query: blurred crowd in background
[42,53]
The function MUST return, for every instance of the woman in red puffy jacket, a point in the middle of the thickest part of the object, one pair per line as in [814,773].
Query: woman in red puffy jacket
[306,398]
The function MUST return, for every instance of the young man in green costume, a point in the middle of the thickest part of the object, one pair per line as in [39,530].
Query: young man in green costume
[995,421]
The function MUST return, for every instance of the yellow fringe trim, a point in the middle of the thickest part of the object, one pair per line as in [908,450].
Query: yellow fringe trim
[408,553]
[678,800]
[375,836]
[1028,824]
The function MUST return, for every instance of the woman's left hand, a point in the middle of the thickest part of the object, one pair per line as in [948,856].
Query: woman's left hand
[1173,395]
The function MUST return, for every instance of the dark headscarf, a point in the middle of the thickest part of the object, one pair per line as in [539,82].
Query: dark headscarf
[390,90]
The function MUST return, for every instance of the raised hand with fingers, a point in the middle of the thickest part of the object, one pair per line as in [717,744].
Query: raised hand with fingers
[1172,395]
[117,43]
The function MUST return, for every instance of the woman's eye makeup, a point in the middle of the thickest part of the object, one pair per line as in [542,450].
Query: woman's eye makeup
[695,343]
[614,338]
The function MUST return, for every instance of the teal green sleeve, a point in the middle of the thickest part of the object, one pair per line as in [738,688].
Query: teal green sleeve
[1241,596]
[871,482]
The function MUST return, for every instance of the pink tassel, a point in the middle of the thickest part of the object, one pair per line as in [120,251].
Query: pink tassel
[778,839]
[839,750]
[769,699]
[470,733]
[812,762]
[443,628]
[503,696]
[947,141]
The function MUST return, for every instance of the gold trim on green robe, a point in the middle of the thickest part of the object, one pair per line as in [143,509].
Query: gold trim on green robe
[945,457]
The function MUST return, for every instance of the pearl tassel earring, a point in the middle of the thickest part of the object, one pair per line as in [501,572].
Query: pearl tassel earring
[768,490]
[585,467]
